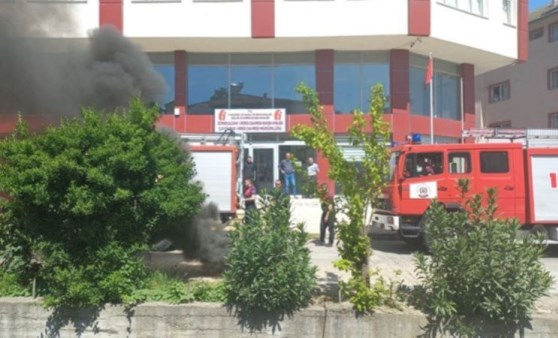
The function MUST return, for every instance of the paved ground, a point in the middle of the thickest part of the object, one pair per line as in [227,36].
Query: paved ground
[391,254]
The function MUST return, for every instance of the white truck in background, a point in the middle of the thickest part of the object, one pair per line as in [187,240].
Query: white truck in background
[219,160]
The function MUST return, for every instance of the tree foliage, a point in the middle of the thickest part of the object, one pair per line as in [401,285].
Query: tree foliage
[480,266]
[85,195]
[361,184]
[269,268]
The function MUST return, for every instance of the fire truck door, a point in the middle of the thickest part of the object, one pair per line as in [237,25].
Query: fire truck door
[495,170]
[424,180]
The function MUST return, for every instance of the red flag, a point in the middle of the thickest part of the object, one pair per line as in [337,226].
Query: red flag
[429,69]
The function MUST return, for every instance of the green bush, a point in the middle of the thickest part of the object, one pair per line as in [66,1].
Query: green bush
[85,197]
[163,288]
[10,286]
[268,267]
[480,266]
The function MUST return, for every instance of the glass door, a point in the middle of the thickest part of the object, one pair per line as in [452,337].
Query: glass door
[264,159]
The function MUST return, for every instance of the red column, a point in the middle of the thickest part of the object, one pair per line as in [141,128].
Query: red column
[263,19]
[111,13]
[522,30]
[324,89]
[399,94]
[419,17]
[468,75]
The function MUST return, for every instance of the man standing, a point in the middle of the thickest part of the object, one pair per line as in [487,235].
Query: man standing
[327,221]
[286,168]
[249,170]
[313,170]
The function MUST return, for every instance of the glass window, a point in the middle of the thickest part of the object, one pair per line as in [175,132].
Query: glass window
[355,73]
[446,90]
[553,78]
[163,63]
[553,32]
[250,85]
[553,120]
[499,92]
[248,81]
[423,164]
[459,163]
[208,79]
[494,162]
[471,6]
[419,92]
[289,70]
[509,9]
[536,33]
[447,96]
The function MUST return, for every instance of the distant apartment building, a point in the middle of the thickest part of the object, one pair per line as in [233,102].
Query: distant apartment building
[525,95]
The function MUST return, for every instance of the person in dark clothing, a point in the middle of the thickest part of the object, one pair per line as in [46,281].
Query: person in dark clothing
[249,170]
[328,216]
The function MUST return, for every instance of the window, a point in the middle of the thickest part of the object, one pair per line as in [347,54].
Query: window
[248,80]
[553,32]
[423,164]
[509,9]
[500,92]
[536,33]
[553,78]
[553,120]
[500,124]
[471,6]
[164,65]
[355,73]
[493,162]
[459,163]
[446,90]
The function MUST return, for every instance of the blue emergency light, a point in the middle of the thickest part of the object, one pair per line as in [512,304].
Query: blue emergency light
[414,139]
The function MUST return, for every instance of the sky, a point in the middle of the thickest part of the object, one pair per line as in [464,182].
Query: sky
[535,4]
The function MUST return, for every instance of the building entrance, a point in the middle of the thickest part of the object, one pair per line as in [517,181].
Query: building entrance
[264,159]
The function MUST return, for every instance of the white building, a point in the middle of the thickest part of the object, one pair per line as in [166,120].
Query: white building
[249,54]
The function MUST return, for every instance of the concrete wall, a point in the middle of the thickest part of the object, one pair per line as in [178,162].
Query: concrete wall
[21,317]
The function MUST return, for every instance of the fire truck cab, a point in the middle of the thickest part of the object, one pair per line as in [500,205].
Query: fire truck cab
[522,171]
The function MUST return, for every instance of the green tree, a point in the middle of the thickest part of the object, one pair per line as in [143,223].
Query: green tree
[480,267]
[361,184]
[269,269]
[87,194]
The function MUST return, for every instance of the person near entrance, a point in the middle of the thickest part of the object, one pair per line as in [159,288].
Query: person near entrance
[249,196]
[249,170]
[312,171]
[327,220]
[286,167]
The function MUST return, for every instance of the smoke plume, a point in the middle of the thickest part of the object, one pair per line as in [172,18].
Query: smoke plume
[43,72]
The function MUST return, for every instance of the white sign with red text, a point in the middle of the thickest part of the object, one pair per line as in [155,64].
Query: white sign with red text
[251,120]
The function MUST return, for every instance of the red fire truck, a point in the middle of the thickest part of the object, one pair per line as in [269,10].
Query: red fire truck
[522,165]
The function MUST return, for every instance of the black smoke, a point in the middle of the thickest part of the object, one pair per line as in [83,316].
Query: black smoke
[43,71]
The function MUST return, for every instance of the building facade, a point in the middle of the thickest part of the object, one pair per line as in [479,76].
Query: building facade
[525,94]
[250,54]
